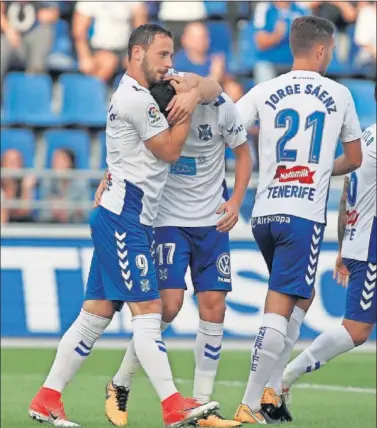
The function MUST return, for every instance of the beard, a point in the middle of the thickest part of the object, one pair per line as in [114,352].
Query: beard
[150,75]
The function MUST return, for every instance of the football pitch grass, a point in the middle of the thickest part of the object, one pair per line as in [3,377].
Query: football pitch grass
[340,395]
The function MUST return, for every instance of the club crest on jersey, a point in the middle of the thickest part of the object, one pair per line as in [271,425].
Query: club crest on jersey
[302,174]
[145,285]
[154,115]
[352,217]
[205,132]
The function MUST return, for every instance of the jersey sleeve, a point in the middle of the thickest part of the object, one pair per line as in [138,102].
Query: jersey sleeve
[351,130]
[247,107]
[143,113]
[369,142]
[234,132]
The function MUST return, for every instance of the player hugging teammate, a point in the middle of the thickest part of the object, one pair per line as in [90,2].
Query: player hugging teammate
[154,220]
[140,145]
[191,230]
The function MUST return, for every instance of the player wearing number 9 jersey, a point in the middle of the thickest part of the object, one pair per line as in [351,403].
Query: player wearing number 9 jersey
[191,230]
[355,268]
[301,115]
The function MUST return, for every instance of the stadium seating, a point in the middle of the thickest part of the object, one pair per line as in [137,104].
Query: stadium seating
[362,92]
[27,100]
[21,139]
[76,140]
[61,57]
[84,100]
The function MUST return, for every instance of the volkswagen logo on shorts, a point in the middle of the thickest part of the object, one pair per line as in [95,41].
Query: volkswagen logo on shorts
[223,264]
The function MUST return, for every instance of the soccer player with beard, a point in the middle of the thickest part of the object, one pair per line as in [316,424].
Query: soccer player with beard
[192,230]
[140,145]
[302,115]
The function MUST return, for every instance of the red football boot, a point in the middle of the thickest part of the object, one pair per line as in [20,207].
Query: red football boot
[47,407]
[178,411]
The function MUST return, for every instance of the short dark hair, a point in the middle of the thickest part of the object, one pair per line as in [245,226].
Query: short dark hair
[163,93]
[144,36]
[306,31]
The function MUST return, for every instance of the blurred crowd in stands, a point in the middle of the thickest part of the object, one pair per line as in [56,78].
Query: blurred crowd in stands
[47,46]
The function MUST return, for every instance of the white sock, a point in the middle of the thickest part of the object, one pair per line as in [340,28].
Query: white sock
[74,347]
[325,347]
[151,352]
[293,333]
[268,346]
[207,357]
[130,364]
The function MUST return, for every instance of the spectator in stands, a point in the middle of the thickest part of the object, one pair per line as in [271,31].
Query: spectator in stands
[342,14]
[272,22]
[27,34]
[3,210]
[111,23]
[176,14]
[365,34]
[18,189]
[195,57]
[56,190]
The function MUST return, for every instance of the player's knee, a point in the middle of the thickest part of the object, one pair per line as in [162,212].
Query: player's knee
[359,332]
[171,308]
[101,308]
[212,306]
[143,308]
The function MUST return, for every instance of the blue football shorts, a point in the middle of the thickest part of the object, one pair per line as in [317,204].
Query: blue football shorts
[361,301]
[204,249]
[290,246]
[122,267]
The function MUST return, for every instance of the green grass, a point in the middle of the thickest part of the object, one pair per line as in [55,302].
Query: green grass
[23,371]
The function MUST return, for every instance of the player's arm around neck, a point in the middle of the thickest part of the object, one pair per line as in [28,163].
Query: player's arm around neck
[168,145]
[207,89]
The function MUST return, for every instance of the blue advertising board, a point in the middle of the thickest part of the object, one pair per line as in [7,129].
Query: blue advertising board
[43,278]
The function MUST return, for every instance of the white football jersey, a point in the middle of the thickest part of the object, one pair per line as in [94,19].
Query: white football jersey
[136,175]
[359,241]
[196,187]
[301,115]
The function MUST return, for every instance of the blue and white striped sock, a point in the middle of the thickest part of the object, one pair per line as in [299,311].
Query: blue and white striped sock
[74,347]
[151,352]
[207,356]
[325,347]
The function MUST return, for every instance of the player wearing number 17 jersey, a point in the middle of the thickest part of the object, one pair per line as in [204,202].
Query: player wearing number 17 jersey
[302,115]
[191,230]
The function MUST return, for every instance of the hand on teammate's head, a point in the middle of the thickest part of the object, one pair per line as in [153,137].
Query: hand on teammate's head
[179,83]
[163,93]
